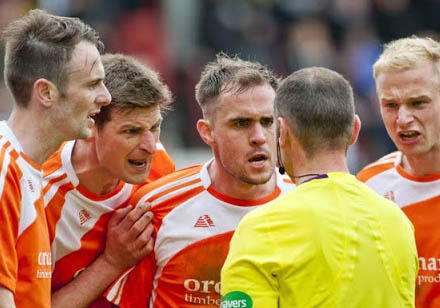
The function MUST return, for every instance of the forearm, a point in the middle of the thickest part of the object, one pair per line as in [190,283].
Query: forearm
[87,286]
[6,298]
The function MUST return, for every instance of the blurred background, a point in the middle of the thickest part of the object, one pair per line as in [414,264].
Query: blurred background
[178,37]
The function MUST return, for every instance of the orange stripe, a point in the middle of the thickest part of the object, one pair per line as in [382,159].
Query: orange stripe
[30,161]
[118,292]
[3,153]
[181,174]
[53,163]
[289,181]
[10,217]
[170,203]
[369,172]
[174,188]
[95,197]
[163,208]
[276,192]
[53,181]
[54,208]
[427,178]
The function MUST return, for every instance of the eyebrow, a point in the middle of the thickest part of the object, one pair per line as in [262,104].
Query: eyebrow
[412,98]
[125,125]
[238,118]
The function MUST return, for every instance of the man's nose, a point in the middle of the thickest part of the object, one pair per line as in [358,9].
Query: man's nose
[148,143]
[257,136]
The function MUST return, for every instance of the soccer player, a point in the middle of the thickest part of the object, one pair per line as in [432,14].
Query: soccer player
[407,76]
[89,182]
[54,72]
[332,242]
[197,209]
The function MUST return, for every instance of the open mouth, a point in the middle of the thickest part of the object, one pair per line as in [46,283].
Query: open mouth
[258,158]
[409,135]
[138,163]
[91,115]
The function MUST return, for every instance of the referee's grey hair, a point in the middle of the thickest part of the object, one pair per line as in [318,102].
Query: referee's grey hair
[319,106]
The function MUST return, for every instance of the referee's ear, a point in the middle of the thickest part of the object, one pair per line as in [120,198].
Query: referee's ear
[283,131]
[356,129]
[205,131]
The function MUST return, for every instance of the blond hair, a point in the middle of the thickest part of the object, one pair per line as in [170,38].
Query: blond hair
[407,53]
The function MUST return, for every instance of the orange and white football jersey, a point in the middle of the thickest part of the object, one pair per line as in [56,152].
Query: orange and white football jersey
[419,198]
[25,259]
[193,225]
[77,218]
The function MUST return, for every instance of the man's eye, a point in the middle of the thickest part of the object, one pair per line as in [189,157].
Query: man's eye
[267,122]
[390,105]
[242,123]
[418,103]
[93,85]
[131,131]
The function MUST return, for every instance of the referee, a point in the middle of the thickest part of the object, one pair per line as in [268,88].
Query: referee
[332,242]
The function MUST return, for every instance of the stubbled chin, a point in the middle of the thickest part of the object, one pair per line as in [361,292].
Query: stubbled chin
[259,164]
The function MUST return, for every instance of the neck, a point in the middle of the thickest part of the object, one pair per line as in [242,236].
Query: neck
[87,167]
[321,163]
[422,165]
[231,186]
[31,130]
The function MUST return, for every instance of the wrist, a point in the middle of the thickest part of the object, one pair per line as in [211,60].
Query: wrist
[109,264]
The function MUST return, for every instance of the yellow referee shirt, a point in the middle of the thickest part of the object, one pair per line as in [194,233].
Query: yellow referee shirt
[331,242]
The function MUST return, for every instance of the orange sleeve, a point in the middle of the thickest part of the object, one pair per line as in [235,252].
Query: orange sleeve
[9,217]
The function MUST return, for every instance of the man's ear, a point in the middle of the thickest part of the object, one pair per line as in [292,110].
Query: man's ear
[356,129]
[283,134]
[45,92]
[205,131]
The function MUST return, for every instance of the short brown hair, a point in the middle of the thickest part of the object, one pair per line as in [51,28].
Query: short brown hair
[131,85]
[318,104]
[39,45]
[227,74]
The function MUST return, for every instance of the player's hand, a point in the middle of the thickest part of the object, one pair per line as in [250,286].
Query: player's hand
[129,236]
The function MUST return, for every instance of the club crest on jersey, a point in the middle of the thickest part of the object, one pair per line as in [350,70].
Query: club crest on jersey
[390,196]
[204,221]
[84,216]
